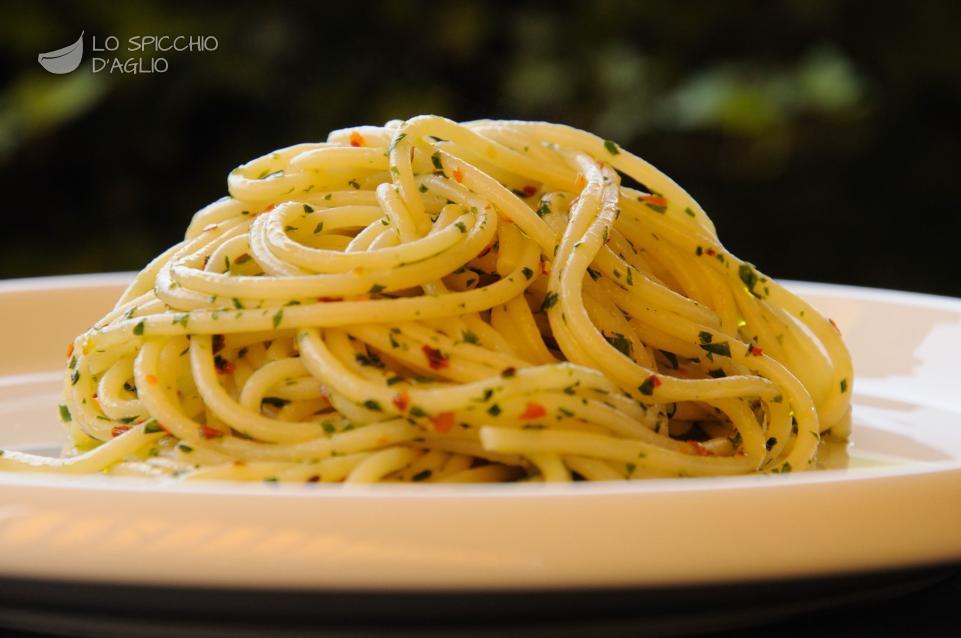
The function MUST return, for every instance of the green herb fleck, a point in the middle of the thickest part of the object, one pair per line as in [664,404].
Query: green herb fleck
[671,358]
[417,412]
[722,348]
[423,475]
[549,300]
[750,278]
[611,147]
[647,388]
[620,342]
[152,427]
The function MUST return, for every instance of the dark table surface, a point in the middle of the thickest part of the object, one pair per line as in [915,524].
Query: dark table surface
[925,606]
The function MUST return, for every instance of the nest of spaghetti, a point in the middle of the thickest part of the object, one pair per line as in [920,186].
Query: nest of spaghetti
[430,301]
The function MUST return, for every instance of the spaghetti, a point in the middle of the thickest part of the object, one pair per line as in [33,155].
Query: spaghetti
[431,301]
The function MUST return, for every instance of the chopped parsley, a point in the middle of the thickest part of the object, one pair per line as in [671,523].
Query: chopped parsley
[750,278]
[722,348]
[394,142]
[611,147]
[152,427]
[620,342]
[549,300]
[671,358]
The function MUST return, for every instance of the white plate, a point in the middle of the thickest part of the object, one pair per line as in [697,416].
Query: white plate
[897,505]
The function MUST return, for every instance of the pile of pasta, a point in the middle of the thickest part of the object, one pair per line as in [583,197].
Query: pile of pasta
[430,301]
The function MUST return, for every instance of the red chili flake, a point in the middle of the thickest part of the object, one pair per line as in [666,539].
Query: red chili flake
[70,350]
[529,190]
[654,200]
[693,447]
[206,260]
[314,479]
[219,342]
[210,433]
[223,366]
[119,429]
[755,351]
[655,381]
[711,252]
[326,299]
[356,139]
[545,267]
[443,422]
[269,208]
[401,400]
[151,379]
[458,175]
[533,411]
[435,358]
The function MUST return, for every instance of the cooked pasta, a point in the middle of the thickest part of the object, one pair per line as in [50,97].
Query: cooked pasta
[430,301]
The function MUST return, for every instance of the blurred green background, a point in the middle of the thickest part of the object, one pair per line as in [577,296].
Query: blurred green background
[822,137]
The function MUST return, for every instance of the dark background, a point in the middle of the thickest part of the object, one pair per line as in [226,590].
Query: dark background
[822,137]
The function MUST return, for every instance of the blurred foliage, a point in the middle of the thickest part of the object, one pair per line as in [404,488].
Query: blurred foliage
[821,136]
